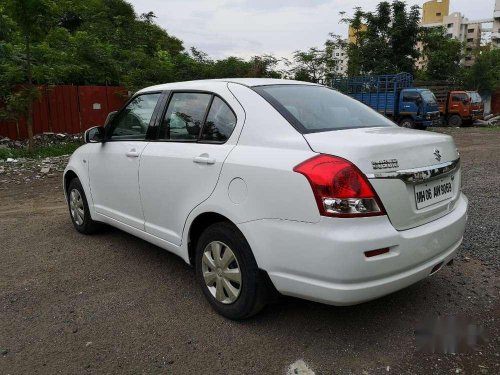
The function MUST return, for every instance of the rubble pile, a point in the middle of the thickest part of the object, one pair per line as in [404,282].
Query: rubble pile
[489,120]
[24,170]
[42,140]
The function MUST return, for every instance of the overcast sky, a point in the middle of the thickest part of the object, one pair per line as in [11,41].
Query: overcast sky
[246,28]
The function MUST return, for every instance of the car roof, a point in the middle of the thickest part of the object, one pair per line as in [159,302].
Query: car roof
[249,82]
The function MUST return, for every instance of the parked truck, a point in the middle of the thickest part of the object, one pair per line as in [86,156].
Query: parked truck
[394,96]
[457,107]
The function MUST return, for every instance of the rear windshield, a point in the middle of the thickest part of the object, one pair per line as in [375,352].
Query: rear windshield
[313,109]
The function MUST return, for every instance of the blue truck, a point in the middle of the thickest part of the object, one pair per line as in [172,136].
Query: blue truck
[395,97]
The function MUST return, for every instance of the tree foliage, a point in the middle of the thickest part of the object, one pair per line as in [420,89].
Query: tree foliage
[318,65]
[385,40]
[441,53]
[105,42]
[484,75]
[97,42]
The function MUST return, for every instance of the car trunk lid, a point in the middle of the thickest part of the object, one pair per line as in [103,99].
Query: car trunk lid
[415,173]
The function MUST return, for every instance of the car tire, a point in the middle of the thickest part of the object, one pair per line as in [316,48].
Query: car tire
[219,281]
[407,123]
[455,121]
[79,208]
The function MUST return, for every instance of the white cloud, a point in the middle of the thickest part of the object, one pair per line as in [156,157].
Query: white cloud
[253,27]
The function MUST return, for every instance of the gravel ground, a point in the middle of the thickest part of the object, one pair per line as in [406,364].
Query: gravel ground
[111,303]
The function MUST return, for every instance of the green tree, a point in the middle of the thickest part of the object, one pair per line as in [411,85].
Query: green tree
[310,65]
[441,53]
[484,74]
[15,106]
[385,40]
[33,18]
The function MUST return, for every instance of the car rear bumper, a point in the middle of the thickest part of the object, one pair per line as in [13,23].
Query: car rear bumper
[325,261]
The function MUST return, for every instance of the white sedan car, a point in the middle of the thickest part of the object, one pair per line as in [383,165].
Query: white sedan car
[265,184]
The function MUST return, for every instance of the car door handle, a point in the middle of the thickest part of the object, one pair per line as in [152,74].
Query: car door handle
[203,160]
[132,153]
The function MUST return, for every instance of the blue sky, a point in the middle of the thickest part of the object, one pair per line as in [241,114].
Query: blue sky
[252,27]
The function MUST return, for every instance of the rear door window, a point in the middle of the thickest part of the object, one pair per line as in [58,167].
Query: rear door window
[184,116]
[220,122]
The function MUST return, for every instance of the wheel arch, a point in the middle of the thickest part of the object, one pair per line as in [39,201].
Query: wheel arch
[69,175]
[198,225]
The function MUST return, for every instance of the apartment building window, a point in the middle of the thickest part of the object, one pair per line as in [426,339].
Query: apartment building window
[449,35]
[470,40]
[470,31]
[450,25]
[438,14]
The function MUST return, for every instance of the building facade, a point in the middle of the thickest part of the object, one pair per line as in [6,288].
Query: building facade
[469,32]
[433,11]
[340,56]
[495,31]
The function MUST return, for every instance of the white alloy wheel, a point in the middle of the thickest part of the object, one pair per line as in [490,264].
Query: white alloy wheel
[221,272]
[76,206]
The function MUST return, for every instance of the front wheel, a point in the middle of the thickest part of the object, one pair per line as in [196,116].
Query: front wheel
[455,121]
[79,208]
[407,123]
[228,274]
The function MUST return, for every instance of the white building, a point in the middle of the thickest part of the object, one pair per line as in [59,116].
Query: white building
[340,56]
[461,28]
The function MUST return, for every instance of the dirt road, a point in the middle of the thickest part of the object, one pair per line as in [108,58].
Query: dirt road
[111,303]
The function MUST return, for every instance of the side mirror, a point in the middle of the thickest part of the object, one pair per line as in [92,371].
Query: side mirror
[111,116]
[94,135]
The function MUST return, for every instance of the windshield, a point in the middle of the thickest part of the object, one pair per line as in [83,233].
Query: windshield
[317,108]
[428,96]
[474,97]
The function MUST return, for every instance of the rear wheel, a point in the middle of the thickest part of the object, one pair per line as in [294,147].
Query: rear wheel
[407,123]
[228,274]
[455,121]
[79,209]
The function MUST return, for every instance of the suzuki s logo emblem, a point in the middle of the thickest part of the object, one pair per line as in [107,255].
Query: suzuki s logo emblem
[437,154]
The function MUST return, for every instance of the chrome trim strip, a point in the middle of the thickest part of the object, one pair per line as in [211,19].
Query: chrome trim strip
[420,174]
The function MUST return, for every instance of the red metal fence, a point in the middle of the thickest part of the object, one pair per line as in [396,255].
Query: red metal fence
[68,109]
[495,102]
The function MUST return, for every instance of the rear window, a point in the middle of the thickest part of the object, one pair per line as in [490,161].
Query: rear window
[313,109]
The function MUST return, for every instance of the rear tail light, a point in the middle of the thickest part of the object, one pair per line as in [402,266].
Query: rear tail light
[340,188]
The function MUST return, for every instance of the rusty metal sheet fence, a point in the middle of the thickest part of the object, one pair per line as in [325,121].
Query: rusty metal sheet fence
[68,109]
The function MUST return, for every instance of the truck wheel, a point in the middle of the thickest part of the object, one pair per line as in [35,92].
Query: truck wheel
[407,123]
[455,121]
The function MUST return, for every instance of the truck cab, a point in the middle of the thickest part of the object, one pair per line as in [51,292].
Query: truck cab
[462,107]
[418,108]
[477,105]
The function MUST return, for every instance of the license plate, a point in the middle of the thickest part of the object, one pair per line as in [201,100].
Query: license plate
[432,192]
